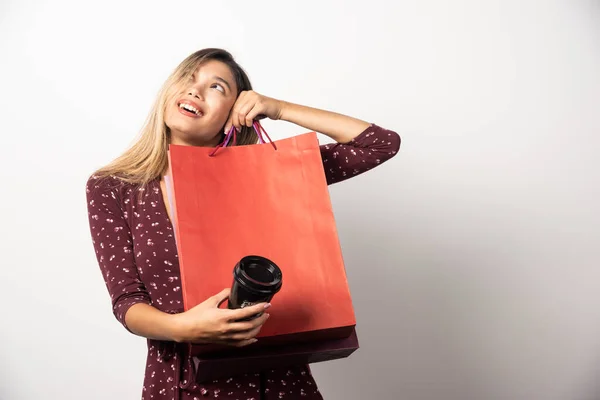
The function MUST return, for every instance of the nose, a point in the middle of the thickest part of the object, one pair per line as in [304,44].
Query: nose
[194,92]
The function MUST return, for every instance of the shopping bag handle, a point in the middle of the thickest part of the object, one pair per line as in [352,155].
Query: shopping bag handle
[233,132]
[259,128]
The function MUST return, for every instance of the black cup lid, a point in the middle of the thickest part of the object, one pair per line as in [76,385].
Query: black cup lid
[259,274]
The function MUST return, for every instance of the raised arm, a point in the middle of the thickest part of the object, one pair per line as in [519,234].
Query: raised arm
[360,145]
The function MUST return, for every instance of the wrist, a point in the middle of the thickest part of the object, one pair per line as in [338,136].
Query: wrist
[284,107]
[178,330]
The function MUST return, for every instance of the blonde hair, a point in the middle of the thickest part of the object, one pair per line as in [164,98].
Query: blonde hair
[146,159]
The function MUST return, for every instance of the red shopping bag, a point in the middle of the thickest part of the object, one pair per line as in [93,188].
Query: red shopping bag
[272,200]
[254,360]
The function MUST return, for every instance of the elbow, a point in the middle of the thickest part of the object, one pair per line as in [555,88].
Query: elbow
[390,144]
[395,142]
[124,303]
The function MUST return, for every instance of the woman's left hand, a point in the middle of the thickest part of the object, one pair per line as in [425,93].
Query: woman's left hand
[250,106]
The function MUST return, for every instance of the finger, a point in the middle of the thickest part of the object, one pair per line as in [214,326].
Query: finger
[235,119]
[249,334]
[244,335]
[253,113]
[239,105]
[242,113]
[235,106]
[220,297]
[246,312]
[228,124]
[244,326]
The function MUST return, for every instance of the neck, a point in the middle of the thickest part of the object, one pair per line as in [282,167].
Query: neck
[181,140]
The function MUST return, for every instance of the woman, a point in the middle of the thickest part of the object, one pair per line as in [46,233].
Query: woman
[133,237]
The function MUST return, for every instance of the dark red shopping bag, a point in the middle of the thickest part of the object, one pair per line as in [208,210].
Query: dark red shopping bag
[272,200]
[253,360]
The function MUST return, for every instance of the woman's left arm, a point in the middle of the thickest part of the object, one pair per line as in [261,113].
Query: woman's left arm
[250,105]
[360,145]
[340,128]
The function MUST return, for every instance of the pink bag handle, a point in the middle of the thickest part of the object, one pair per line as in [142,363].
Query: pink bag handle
[233,132]
[259,129]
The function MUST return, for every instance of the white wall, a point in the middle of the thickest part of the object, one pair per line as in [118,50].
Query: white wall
[472,256]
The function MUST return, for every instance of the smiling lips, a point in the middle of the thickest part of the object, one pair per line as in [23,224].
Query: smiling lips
[189,108]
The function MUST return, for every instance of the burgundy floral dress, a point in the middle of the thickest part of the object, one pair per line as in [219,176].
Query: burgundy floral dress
[135,247]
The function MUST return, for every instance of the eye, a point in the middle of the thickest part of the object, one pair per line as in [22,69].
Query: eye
[218,87]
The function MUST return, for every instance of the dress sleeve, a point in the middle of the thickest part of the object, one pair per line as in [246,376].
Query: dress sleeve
[374,146]
[112,241]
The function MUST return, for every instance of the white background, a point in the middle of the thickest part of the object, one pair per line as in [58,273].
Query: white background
[473,256]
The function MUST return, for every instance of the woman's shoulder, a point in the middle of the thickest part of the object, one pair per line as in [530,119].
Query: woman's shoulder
[104,182]
[115,186]
[107,185]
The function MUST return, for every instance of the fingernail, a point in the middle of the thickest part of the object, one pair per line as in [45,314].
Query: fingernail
[254,340]
[268,315]
[267,305]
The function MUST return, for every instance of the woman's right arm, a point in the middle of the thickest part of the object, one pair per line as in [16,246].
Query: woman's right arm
[205,323]
[147,321]
[113,243]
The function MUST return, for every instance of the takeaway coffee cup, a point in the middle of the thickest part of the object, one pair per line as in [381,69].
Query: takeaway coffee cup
[256,279]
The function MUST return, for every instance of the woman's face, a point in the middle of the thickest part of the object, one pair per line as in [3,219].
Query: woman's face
[200,107]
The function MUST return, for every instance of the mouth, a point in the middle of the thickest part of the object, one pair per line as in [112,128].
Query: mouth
[190,109]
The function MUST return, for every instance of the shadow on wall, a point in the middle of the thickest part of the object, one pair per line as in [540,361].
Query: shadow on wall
[413,297]
[590,389]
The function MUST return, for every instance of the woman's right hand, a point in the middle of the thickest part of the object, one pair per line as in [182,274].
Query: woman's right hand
[207,323]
